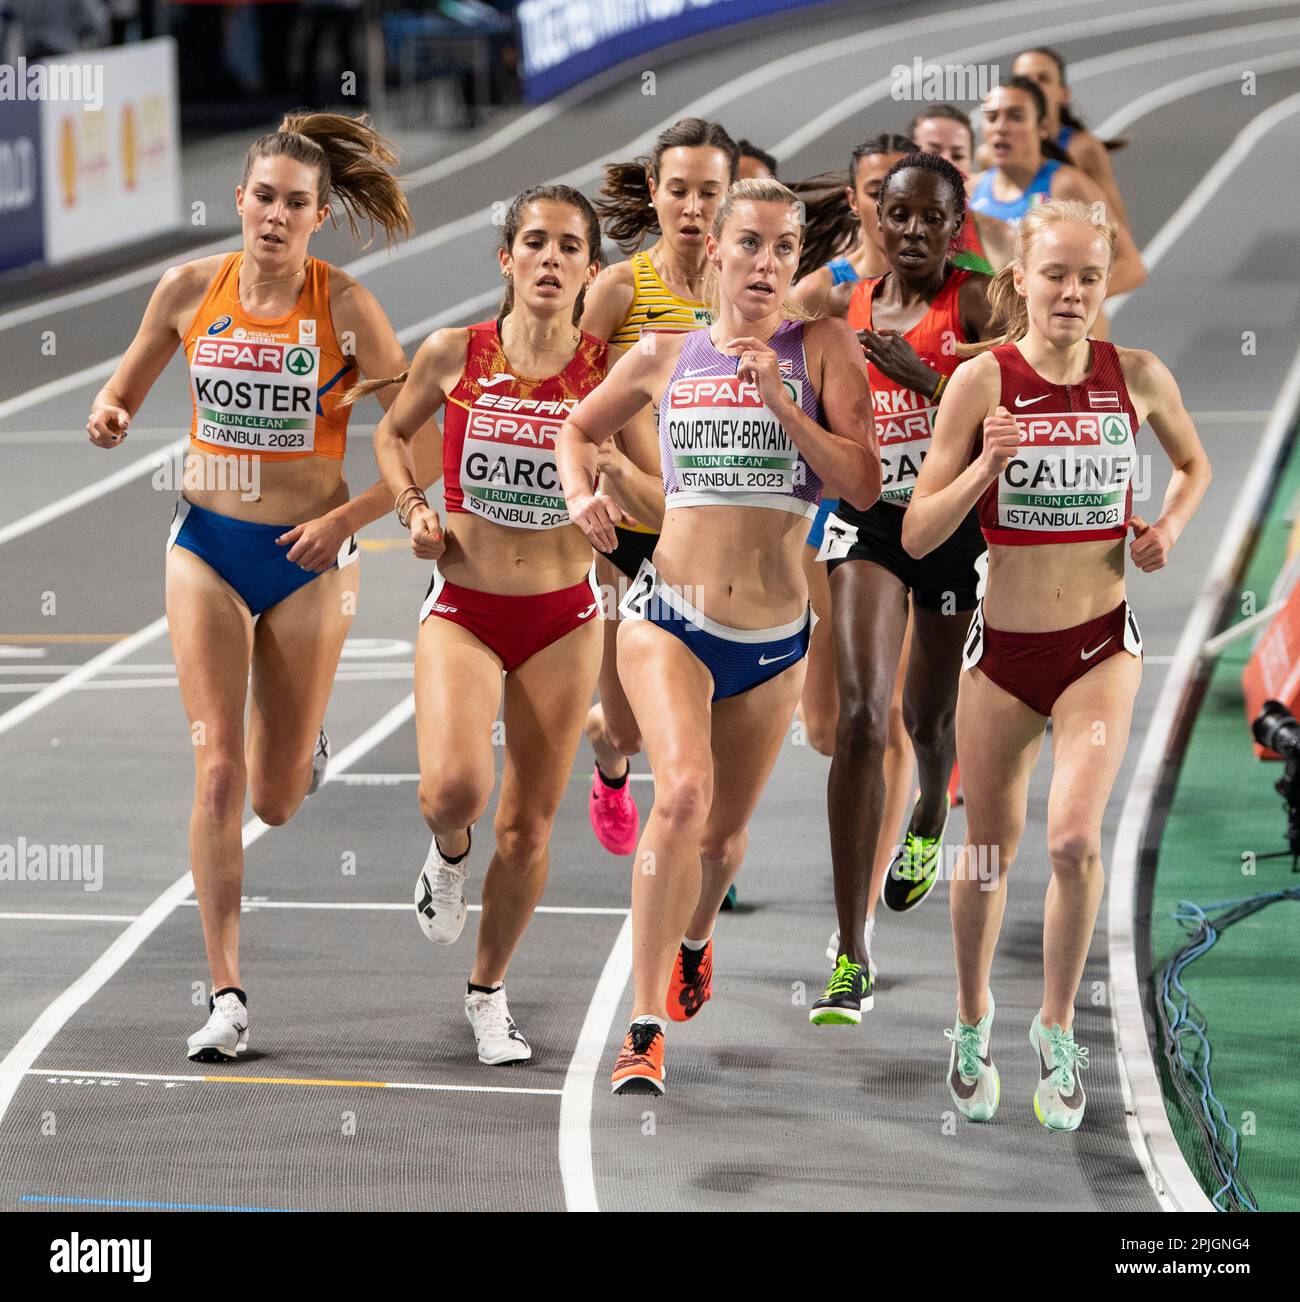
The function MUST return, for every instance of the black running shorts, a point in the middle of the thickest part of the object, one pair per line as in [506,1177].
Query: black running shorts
[945,580]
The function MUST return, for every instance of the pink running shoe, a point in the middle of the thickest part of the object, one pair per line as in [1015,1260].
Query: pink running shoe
[614,815]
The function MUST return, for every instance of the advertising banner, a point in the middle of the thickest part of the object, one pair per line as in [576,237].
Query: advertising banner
[567,41]
[110,148]
[1273,671]
[21,232]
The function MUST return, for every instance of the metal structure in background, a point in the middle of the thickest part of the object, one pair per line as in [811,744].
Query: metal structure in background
[422,54]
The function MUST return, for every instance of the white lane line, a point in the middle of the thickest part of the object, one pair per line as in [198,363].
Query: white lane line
[1209,185]
[576,1168]
[38,1036]
[68,917]
[218,1077]
[55,691]
[1177,1187]
[854,104]
[81,497]
[396,674]
[1217,76]
[53,388]
[705,106]
[388,906]
[1281,30]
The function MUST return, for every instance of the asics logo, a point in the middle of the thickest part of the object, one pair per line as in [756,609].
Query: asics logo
[766,660]
[1029,402]
[496,379]
[1088,655]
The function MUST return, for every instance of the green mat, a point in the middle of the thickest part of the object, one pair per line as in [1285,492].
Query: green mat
[1225,807]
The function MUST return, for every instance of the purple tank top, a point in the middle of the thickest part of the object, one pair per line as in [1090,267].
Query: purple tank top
[720,445]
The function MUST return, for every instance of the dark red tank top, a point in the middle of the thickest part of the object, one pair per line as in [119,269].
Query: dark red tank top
[498,432]
[1071,480]
[905,418]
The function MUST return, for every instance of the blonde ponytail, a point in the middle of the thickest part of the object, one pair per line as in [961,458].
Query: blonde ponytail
[367,387]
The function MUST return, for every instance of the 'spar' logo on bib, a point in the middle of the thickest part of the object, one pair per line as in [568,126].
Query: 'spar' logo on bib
[242,356]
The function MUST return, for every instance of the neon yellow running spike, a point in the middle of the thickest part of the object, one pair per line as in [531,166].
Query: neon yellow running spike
[915,868]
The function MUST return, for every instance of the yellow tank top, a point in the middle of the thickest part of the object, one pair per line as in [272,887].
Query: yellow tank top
[655,308]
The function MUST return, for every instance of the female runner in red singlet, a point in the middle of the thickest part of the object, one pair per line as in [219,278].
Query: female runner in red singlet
[512,591]
[264,579]
[1038,433]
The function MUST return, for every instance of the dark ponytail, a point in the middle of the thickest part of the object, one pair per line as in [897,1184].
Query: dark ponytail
[626,211]
[830,226]
[1067,115]
[352,161]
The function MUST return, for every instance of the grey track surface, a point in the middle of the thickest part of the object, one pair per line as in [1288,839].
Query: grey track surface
[765,1112]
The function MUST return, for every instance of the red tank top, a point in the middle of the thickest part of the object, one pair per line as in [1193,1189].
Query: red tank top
[905,418]
[498,432]
[1071,480]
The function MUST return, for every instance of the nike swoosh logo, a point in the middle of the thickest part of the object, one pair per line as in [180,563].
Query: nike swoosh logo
[959,1086]
[763,660]
[1088,655]
[1029,402]
[496,379]
[654,316]
[698,370]
[1045,1070]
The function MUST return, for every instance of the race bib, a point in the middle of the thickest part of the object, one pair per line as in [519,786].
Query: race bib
[507,462]
[255,397]
[904,438]
[838,539]
[1071,473]
[723,438]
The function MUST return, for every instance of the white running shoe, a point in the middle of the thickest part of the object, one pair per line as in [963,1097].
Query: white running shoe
[320,761]
[440,903]
[973,1081]
[226,1034]
[495,1032]
[868,935]
[1059,1099]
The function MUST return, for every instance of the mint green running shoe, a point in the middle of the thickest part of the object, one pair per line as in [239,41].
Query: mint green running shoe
[1059,1098]
[973,1081]
[915,868]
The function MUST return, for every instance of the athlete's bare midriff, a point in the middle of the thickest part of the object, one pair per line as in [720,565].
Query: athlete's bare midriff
[1049,586]
[740,566]
[264,492]
[490,557]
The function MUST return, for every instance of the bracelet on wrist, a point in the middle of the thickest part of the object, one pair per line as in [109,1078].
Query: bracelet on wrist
[939,388]
[416,497]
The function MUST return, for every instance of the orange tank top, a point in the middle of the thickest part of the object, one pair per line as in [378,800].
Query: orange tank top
[905,418]
[263,388]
